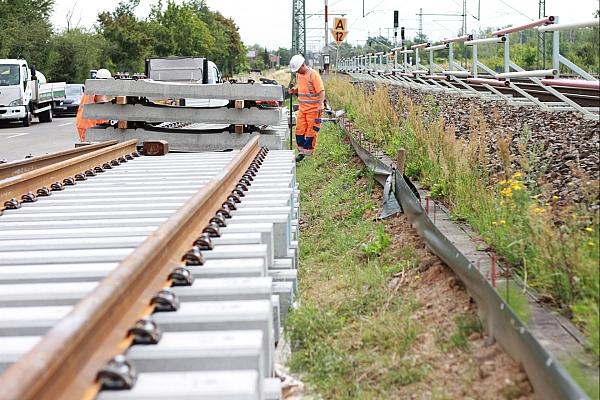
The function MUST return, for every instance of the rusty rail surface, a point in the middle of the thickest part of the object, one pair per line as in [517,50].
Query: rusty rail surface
[65,363]
[20,167]
[43,178]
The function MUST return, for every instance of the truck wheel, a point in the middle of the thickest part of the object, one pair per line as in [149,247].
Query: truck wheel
[27,119]
[46,116]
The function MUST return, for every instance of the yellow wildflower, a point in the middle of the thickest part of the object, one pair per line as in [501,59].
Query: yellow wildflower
[589,229]
[494,223]
[555,197]
[517,175]
[503,182]
[506,192]
[516,186]
[590,243]
[502,222]
[539,210]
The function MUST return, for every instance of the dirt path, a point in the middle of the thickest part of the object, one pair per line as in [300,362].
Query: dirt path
[462,365]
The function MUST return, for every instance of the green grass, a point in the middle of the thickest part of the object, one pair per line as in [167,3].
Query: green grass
[465,326]
[516,299]
[352,332]
[552,248]
[589,384]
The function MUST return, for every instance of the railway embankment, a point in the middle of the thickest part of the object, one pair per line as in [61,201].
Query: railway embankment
[379,315]
[491,180]
[559,150]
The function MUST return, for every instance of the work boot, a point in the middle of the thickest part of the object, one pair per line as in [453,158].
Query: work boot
[299,157]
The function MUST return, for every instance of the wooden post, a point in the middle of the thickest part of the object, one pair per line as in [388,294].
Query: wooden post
[400,161]
[121,100]
[156,147]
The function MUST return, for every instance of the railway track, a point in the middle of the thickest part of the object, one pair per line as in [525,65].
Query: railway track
[137,277]
[20,167]
[586,98]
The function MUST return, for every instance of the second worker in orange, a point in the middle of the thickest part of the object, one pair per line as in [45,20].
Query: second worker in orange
[311,102]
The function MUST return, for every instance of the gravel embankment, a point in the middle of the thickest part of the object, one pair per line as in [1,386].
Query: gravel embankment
[562,148]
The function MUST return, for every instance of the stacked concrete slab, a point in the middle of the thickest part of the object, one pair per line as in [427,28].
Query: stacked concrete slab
[220,343]
[188,128]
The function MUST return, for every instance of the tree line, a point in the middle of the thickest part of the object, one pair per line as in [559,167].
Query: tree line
[119,41]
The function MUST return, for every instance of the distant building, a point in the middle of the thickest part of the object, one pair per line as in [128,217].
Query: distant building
[275,60]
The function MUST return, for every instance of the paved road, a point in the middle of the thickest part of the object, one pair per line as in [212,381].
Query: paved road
[16,141]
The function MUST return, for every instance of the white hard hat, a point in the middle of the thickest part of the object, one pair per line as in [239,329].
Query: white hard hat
[103,73]
[296,62]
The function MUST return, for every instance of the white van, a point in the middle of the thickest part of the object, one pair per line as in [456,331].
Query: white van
[24,92]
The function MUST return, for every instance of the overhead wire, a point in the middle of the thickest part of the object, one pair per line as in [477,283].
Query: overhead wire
[514,9]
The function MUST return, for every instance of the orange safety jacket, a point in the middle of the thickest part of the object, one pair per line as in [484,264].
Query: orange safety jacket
[82,123]
[310,86]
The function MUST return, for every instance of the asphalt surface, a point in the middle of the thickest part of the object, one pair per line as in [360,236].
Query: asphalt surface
[16,141]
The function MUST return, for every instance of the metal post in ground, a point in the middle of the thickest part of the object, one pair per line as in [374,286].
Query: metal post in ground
[400,160]
[493,270]
[507,289]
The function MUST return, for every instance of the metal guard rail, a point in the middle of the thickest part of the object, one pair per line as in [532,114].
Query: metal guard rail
[546,374]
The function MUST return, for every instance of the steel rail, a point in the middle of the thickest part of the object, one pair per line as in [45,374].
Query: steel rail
[574,83]
[29,182]
[571,25]
[458,39]
[542,21]
[20,167]
[65,363]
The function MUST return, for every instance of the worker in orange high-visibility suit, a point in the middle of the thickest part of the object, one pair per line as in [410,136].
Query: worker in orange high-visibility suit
[82,123]
[311,102]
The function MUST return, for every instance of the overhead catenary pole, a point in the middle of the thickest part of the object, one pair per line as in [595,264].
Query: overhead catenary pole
[541,37]
[395,28]
[464,32]
[326,22]
[298,27]
[420,23]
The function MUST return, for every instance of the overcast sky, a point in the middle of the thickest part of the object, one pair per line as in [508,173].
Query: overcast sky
[268,22]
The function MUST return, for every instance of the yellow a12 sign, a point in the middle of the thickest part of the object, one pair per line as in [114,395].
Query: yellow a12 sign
[339,31]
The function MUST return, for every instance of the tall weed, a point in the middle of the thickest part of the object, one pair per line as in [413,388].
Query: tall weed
[553,249]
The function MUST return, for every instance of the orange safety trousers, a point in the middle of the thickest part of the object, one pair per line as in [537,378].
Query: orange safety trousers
[308,125]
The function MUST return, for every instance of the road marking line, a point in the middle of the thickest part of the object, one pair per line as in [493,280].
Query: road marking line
[68,123]
[13,134]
